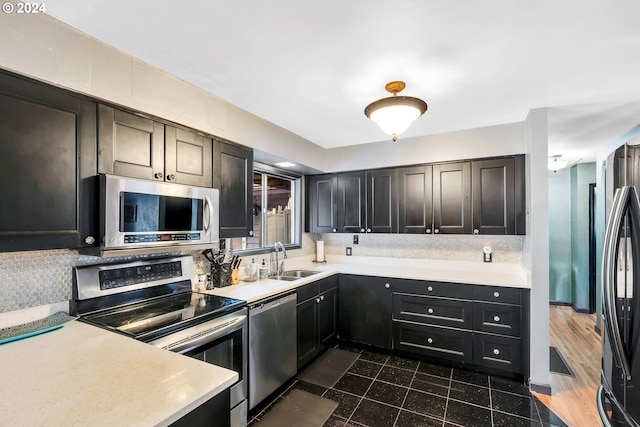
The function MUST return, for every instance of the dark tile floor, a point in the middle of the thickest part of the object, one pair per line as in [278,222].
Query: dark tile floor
[380,390]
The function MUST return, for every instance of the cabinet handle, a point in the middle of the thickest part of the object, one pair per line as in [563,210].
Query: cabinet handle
[476,231]
[334,230]
[171,177]
[368,230]
[386,285]
[318,300]
[436,230]
[251,233]
[428,231]
[430,288]
[496,351]
[321,297]
[496,318]
[430,311]
[89,240]
[496,294]
[430,340]
[362,230]
[158,175]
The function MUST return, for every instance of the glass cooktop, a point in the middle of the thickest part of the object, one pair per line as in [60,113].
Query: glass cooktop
[149,319]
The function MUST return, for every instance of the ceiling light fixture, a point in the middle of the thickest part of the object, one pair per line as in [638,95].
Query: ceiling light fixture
[395,113]
[556,163]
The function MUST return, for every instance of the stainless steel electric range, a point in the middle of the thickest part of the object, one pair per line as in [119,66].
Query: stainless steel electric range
[152,301]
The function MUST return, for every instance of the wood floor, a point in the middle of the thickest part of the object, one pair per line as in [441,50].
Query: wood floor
[574,399]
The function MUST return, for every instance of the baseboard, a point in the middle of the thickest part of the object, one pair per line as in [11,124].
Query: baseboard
[541,388]
[570,304]
[598,330]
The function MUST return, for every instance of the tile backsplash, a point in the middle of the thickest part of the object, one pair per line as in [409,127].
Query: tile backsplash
[29,279]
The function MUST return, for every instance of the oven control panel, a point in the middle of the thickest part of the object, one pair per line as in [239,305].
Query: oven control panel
[126,276]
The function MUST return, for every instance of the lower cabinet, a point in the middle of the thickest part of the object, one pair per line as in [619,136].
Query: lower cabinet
[366,310]
[317,317]
[212,413]
[428,340]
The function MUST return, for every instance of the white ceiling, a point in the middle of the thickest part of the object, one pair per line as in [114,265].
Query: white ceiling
[312,66]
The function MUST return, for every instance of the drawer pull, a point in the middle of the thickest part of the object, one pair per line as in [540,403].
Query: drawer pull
[496,294]
[430,311]
[496,351]
[430,288]
[386,285]
[322,299]
[430,340]
[496,318]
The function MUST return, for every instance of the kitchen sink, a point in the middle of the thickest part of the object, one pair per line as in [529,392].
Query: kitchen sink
[286,278]
[300,273]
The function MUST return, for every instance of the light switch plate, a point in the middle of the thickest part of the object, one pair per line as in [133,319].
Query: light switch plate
[355,239]
[348,251]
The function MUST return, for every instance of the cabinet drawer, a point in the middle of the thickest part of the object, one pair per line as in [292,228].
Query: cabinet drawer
[497,318]
[433,289]
[444,343]
[499,294]
[327,283]
[503,353]
[437,311]
[307,291]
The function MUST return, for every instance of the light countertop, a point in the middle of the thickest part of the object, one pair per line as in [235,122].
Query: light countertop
[81,375]
[479,273]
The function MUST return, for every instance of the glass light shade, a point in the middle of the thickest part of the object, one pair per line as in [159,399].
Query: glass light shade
[396,113]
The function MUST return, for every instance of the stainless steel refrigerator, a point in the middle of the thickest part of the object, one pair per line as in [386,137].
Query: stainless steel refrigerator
[618,397]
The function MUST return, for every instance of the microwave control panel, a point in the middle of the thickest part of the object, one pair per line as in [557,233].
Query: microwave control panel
[153,237]
[126,276]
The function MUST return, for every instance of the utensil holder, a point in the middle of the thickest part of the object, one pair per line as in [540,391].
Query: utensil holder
[221,275]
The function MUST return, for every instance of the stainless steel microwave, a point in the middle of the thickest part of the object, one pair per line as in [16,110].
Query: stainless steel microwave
[138,216]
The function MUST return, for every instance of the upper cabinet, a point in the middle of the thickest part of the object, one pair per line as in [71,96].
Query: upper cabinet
[139,147]
[416,199]
[322,204]
[498,196]
[234,177]
[47,159]
[484,196]
[452,198]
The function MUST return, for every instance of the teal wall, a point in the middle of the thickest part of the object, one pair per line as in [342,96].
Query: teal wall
[560,236]
[569,234]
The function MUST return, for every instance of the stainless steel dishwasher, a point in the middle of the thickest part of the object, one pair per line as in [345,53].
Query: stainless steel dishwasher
[272,346]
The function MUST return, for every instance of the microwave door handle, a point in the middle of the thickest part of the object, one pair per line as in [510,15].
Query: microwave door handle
[612,239]
[207,214]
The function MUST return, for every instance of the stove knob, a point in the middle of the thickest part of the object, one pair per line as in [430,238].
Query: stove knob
[106,284]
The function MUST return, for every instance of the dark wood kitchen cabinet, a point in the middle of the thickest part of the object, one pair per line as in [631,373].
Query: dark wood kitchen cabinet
[317,317]
[416,199]
[452,198]
[322,204]
[365,310]
[382,201]
[352,214]
[47,163]
[495,210]
[139,147]
[233,176]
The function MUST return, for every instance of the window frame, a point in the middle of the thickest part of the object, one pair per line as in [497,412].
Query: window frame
[297,216]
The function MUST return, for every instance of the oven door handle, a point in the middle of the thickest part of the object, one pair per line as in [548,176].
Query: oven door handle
[202,338]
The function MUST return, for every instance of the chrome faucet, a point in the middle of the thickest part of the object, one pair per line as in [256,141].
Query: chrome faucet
[279,266]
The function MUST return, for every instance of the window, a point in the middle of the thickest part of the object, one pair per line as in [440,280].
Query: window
[277,215]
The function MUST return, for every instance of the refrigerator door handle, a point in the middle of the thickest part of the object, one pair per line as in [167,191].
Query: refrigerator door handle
[624,196]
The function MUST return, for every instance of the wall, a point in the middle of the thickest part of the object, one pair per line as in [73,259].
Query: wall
[581,176]
[560,236]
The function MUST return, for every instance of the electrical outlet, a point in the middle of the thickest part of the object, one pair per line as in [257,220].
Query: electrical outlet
[348,251]
[355,239]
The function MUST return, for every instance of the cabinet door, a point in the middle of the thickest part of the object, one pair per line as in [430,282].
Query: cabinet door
[494,196]
[234,178]
[188,157]
[497,352]
[416,200]
[382,201]
[307,331]
[452,198]
[322,204]
[327,316]
[352,206]
[47,165]
[443,343]
[130,145]
[365,310]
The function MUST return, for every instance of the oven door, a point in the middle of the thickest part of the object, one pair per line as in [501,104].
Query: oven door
[146,214]
[223,342]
